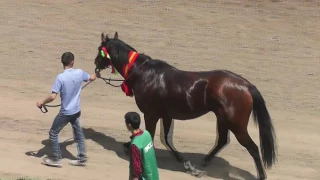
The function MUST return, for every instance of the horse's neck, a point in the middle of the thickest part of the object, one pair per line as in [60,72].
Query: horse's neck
[142,59]
[136,69]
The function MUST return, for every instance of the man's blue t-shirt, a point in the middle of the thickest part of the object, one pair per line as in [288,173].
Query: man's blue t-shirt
[68,84]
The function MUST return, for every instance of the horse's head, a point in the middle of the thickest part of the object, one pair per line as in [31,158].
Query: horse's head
[120,56]
[115,53]
[103,60]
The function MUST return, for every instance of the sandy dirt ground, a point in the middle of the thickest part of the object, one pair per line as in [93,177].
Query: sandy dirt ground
[274,44]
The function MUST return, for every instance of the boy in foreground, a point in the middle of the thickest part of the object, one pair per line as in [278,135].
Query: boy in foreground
[143,162]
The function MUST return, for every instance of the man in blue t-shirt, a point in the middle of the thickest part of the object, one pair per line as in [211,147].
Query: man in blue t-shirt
[68,84]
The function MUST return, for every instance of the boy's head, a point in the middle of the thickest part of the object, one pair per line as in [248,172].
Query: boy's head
[132,120]
[67,59]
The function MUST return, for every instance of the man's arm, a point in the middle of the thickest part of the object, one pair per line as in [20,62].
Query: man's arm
[86,77]
[136,162]
[56,87]
[50,98]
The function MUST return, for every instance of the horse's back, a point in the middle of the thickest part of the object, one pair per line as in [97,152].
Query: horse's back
[170,81]
[186,94]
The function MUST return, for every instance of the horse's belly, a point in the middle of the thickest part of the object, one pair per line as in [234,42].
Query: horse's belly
[188,103]
[187,115]
[184,109]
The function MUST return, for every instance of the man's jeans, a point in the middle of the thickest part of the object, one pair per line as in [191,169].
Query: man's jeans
[60,122]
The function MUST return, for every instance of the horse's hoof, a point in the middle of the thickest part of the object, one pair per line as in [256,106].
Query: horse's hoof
[126,147]
[262,178]
[126,151]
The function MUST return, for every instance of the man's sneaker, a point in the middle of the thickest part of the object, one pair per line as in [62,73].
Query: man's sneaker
[50,162]
[77,163]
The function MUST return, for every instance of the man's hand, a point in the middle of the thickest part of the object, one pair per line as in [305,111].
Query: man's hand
[39,104]
[93,76]
[135,178]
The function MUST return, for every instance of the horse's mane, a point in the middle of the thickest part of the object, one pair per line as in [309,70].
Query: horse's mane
[124,44]
[124,53]
[158,63]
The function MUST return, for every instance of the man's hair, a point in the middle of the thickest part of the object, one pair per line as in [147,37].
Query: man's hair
[67,58]
[133,119]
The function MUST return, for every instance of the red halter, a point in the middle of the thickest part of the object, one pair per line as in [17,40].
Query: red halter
[124,86]
[132,58]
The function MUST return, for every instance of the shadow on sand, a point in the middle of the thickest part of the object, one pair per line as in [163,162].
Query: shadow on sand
[47,150]
[219,168]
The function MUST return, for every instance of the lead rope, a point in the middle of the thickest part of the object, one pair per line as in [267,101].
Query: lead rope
[108,80]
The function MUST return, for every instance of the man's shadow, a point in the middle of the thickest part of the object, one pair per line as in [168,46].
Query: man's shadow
[47,150]
[219,168]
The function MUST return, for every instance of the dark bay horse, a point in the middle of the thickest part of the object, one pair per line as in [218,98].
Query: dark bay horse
[162,91]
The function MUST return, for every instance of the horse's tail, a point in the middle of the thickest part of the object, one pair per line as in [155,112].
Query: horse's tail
[266,130]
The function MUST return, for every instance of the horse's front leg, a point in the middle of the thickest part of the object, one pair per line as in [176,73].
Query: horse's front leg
[166,135]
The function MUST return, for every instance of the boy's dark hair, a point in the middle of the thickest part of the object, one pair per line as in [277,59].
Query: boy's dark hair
[67,58]
[133,119]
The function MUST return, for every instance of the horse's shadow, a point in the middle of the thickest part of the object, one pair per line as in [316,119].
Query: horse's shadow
[219,168]
[47,150]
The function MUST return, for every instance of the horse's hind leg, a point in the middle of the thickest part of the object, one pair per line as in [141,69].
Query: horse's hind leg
[222,140]
[166,136]
[238,124]
[246,141]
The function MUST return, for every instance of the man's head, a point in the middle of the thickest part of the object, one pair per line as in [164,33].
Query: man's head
[67,59]
[132,120]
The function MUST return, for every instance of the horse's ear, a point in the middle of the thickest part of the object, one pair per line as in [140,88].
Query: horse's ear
[115,35]
[102,38]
